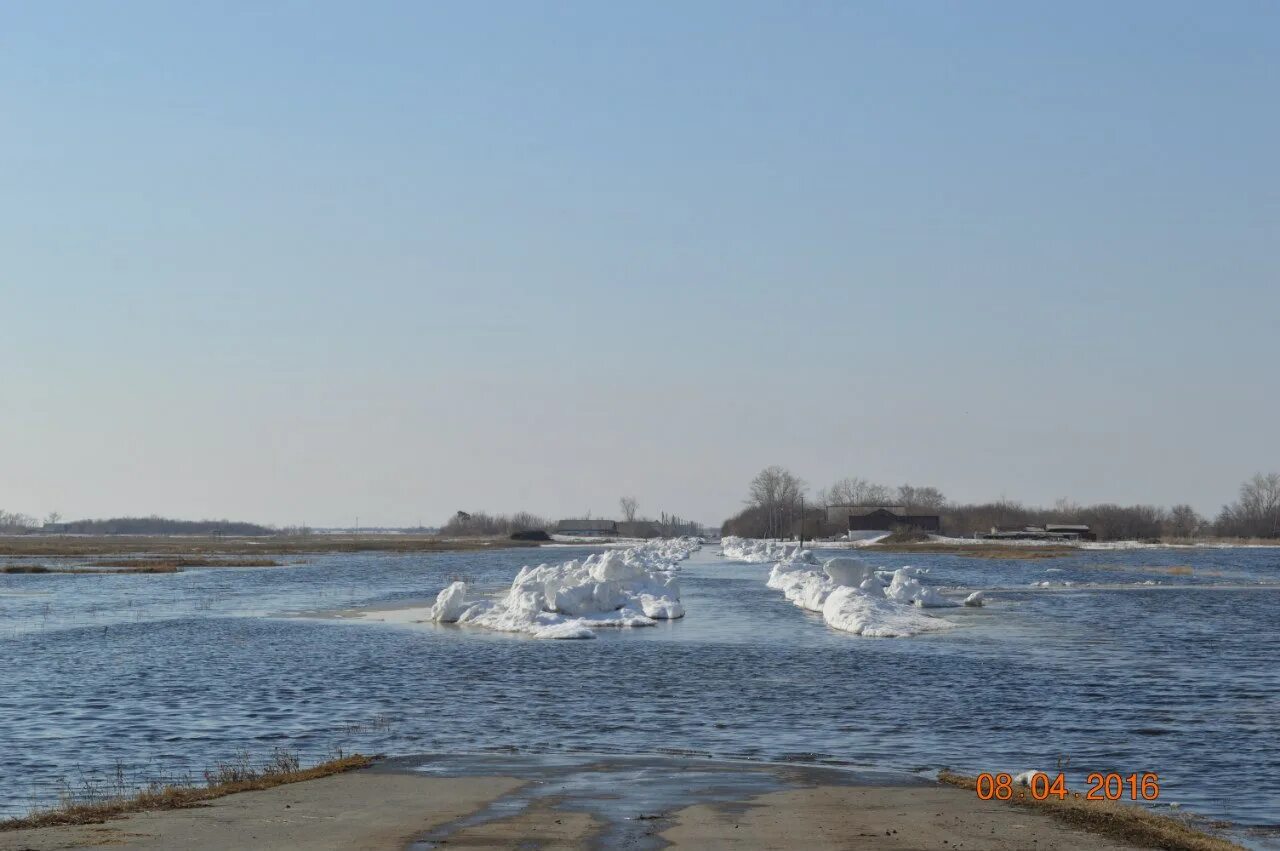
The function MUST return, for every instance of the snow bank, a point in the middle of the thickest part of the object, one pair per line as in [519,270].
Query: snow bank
[854,610]
[450,603]
[906,588]
[761,552]
[632,587]
[755,551]
[852,596]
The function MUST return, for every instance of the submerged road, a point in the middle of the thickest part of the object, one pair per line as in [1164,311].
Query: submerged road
[600,803]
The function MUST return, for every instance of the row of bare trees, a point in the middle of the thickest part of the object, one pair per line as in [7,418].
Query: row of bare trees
[1256,514]
[776,507]
[666,526]
[468,524]
[12,521]
[856,491]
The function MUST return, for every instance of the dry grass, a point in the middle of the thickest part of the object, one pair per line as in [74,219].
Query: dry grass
[1228,542]
[144,564]
[160,546]
[141,565]
[154,567]
[225,779]
[1128,822]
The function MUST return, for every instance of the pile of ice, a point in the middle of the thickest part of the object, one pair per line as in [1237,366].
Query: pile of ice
[753,550]
[854,597]
[637,586]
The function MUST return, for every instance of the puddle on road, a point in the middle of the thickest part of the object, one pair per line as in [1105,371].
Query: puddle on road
[633,798]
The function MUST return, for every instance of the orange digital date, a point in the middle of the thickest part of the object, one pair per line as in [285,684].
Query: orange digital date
[1102,787]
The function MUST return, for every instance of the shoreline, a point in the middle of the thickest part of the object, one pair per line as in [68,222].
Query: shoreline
[195,547]
[513,801]
[1005,550]
[162,546]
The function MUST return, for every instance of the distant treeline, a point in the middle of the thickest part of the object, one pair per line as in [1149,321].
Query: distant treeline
[468,524]
[11,522]
[777,506]
[465,524]
[161,526]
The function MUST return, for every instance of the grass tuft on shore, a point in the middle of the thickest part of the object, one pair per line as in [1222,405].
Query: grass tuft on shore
[1129,822]
[223,779]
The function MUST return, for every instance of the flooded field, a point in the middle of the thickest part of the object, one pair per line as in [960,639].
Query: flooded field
[1132,661]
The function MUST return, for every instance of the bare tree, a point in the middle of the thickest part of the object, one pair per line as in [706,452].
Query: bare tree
[855,491]
[479,523]
[52,518]
[629,506]
[777,492]
[920,499]
[1184,522]
[1257,512]
[13,520]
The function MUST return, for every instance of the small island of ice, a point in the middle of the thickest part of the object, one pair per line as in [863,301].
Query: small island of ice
[850,594]
[637,586]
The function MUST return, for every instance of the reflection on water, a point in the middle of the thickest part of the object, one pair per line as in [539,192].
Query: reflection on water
[167,673]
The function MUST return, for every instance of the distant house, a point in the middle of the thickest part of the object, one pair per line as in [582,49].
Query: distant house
[638,529]
[587,528]
[866,518]
[1079,532]
[1047,532]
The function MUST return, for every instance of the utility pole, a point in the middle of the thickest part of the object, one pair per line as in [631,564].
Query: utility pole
[801,547]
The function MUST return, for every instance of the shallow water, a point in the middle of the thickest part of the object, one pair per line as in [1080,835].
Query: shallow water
[166,674]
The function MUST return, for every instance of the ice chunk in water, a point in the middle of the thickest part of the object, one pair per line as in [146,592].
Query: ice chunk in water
[852,596]
[844,570]
[632,587]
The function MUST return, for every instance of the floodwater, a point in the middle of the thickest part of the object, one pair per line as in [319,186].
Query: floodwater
[159,676]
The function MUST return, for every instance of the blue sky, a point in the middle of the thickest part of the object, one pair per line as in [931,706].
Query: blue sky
[302,261]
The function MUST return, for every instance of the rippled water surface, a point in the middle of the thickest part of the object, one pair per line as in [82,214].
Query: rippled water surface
[165,674]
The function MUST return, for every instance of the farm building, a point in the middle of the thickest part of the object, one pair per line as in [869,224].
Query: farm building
[1047,532]
[865,518]
[587,528]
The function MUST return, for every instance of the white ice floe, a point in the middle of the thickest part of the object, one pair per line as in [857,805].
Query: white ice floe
[637,586]
[906,588]
[852,596]
[974,599]
[450,603]
[854,610]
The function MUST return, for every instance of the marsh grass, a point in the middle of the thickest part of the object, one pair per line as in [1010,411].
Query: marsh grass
[1128,822]
[93,804]
[140,565]
[160,546]
[145,565]
[906,535]
[156,567]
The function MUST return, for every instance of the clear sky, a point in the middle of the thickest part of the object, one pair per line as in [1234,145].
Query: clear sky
[298,261]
